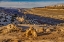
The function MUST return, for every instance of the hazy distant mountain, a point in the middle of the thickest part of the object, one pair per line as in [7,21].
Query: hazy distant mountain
[58,6]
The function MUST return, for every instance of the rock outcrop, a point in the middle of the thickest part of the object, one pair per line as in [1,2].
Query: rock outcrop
[31,31]
[40,30]
[10,28]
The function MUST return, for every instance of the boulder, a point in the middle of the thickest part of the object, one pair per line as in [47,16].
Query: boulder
[31,31]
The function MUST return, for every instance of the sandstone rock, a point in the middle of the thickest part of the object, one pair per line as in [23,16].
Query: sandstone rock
[11,28]
[48,30]
[20,19]
[40,30]
[31,31]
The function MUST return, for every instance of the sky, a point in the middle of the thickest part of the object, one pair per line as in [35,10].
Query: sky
[28,3]
[30,0]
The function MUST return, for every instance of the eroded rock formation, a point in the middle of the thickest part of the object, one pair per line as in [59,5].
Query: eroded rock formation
[10,28]
[31,31]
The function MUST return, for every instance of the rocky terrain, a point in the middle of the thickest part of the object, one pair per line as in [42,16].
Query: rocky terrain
[40,24]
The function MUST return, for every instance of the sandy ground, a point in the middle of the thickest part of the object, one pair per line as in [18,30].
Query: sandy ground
[18,36]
